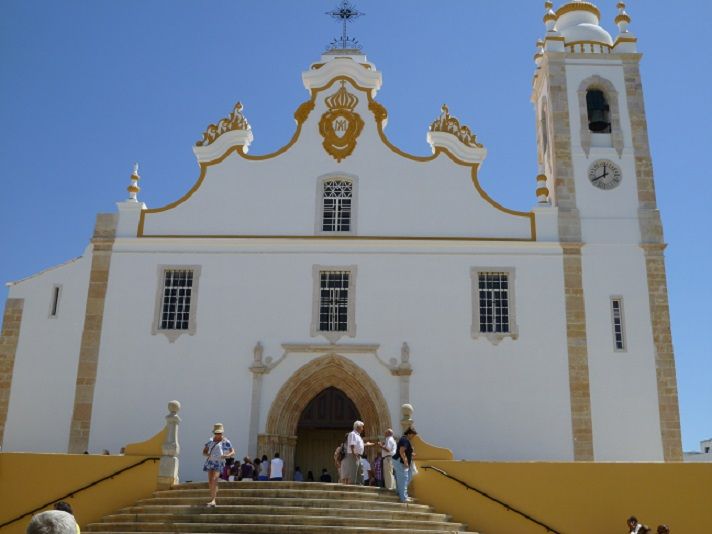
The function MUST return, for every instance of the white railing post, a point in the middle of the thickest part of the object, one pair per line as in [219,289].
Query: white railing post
[168,467]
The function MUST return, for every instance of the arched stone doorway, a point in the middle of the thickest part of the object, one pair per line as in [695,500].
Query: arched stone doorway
[321,427]
[307,382]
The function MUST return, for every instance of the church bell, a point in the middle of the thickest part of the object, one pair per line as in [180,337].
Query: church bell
[598,112]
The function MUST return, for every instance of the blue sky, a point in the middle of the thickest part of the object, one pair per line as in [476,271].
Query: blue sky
[90,87]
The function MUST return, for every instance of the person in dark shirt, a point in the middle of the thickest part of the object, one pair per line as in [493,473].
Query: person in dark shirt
[325,476]
[403,463]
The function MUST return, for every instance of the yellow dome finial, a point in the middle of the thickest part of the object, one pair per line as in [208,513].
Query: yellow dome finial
[133,187]
[623,19]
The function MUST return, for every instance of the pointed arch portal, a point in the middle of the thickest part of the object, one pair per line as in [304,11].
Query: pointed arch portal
[304,386]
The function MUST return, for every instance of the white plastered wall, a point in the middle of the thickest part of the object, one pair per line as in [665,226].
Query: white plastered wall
[45,369]
[505,401]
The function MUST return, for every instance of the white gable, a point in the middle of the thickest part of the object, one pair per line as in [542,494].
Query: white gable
[396,194]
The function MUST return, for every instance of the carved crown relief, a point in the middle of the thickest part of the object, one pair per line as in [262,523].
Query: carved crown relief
[235,121]
[449,124]
[340,126]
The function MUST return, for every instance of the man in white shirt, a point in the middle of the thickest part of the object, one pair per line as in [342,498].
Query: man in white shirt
[275,467]
[354,450]
[388,449]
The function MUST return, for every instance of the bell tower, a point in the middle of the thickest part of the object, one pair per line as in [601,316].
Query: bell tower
[593,153]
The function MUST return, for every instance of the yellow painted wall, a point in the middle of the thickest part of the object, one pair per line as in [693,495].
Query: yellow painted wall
[29,480]
[573,498]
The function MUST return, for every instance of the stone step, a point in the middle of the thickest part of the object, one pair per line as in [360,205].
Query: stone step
[222,521]
[374,504]
[177,511]
[281,523]
[257,528]
[279,493]
[297,501]
[284,484]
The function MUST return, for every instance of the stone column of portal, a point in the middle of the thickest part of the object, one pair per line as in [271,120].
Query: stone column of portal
[168,467]
[403,372]
[258,370]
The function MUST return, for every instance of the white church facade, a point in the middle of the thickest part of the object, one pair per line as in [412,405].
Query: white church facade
[339,276]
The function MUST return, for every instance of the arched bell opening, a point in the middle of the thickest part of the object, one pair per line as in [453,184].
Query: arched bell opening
[599,111]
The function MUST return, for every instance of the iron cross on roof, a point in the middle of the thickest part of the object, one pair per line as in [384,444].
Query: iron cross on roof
[346,12]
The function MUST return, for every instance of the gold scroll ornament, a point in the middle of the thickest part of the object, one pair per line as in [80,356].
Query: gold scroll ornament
[340,126]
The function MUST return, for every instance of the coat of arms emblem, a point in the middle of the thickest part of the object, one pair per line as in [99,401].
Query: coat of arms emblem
[340,126]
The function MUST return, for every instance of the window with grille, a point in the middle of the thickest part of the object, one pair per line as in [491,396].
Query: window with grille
[494,302]
[334,301]
[336,206]
[176,299]
[617,316]
[493,310]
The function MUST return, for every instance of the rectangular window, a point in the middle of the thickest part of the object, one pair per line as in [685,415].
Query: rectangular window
[493,304]
[54,302]
[493,289]
[176,299]
[334,301]
[617,317]
[336,208]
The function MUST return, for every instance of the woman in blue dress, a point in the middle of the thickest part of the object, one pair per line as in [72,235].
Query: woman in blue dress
[216,450]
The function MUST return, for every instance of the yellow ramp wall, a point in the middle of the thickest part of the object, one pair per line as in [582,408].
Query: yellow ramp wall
[30,480]
[572,498]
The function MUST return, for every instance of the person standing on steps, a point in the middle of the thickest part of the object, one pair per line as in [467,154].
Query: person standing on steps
[354,449]
[340,461]
[403,464]
[264,468]
[388,450]
[275,468]
[217,451]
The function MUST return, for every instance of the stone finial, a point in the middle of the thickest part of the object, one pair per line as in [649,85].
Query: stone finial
[406,417]
[258,353]
[168,466]
[539,55]
[405,354]
[549,16]
[542,191]
[133,187]
[623,19]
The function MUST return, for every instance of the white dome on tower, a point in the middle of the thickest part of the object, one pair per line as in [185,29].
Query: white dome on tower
[578,22]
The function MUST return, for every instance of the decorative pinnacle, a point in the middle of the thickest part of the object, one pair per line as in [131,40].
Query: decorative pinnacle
[539,52]
[549,16]
[133,187]
[623,19]
[346,12]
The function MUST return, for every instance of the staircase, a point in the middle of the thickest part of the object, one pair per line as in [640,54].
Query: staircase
[278,508]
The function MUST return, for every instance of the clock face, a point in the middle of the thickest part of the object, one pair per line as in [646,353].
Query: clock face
[605,174]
